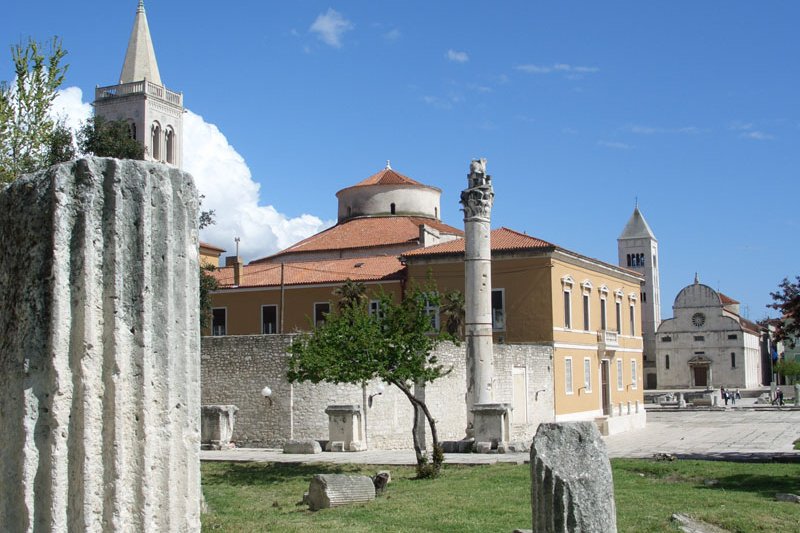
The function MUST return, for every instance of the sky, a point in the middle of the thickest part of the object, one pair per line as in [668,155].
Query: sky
[582,109]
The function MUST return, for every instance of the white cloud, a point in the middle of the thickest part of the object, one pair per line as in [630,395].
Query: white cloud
[757,135]
[650,130]
[222,175]
[456,57]
[615,145]
[573,70]
[392,35]
[330,27]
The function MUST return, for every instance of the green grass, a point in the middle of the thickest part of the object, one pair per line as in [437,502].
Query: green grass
[256,497]
[796,444]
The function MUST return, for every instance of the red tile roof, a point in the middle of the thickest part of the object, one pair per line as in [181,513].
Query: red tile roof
[727,300]
[503,239]
[211,247]
[388,176]
[366,232]
[376,268]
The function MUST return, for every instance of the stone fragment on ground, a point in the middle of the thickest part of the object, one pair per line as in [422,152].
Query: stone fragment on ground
[690,525]
[572,488]
[787,497]
[333,490]
[302,446]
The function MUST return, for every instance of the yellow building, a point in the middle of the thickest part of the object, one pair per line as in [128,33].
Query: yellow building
[389,234]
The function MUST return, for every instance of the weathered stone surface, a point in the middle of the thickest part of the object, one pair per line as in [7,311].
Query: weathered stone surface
[308,446]
[216,426]
[571,484]
[787,497]
[332,490]
[99,349]
[344,425]
[690,525]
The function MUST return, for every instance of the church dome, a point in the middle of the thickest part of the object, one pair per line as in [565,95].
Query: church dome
[388,193]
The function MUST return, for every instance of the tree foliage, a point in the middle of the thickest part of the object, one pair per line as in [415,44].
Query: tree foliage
[787,301]
[394,346]
[109,138]
[351,293]
[208,283]
[788,369]
[454,310]
[30,139]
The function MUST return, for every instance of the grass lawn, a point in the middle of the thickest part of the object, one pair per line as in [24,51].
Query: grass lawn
[256,497]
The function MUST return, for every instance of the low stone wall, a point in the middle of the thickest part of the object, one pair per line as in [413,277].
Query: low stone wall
[236,368]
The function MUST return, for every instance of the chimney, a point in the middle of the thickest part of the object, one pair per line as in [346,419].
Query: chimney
[428,236]
[236,262]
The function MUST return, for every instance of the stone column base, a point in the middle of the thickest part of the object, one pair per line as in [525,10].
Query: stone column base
[491,426]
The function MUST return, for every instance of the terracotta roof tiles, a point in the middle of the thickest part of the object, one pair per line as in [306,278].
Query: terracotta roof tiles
[387,176]
[503,239]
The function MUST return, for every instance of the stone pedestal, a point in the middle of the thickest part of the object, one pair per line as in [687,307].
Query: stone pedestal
[344,429]
[100,349]
[491,423]
[216,426]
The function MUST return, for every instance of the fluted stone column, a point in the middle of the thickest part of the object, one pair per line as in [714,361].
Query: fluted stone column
[99,349]
[477,200]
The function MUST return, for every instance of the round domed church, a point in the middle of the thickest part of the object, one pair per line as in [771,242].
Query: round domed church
[707,344]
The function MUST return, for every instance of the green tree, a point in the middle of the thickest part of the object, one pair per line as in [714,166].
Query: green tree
[29,136]
[351,293]
[109,138]
[787,301]
[394,346]
[208,284]
[788,369]
[454,310]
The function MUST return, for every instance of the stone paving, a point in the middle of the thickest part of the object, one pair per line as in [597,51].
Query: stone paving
[740,433]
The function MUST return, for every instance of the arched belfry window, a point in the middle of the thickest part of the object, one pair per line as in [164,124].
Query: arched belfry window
[155,141]
[169,138]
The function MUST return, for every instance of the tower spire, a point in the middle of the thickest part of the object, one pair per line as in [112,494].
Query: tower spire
[140,58]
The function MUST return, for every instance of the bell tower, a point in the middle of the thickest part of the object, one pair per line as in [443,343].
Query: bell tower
[155,113]
[638,250]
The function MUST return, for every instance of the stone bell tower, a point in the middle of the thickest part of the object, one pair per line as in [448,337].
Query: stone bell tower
[638,250]
[155,113]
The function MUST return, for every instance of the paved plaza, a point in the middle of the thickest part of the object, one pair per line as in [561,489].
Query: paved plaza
[732,434]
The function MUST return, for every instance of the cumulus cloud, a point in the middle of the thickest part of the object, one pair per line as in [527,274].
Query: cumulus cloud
[456,57]
[223,177]
[330,27]
[557,67]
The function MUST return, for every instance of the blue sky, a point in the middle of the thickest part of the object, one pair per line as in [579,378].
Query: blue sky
[579,107]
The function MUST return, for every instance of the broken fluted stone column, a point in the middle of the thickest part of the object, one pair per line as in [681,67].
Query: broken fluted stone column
[571,485]
[99,349]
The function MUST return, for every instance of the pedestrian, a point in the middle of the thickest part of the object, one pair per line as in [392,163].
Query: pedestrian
[779,396]
[732,397]
[724,394]
[738,394]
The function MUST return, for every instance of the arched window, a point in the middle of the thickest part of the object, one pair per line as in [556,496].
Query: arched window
[392,208]
[155,140]
[169,138]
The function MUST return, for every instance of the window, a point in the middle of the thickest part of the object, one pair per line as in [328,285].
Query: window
[733,359]
[133,130]
[666,339]
[585,312]
[666,361]
[568,375]
[618,306]
[732,337]
[634,376]
[169,137]
[587,375]
[432,311]
[155,140]
[699,338]
[633,319]
[567,309]
[603,319]
[620,381]
[219,321]
[392,208]
[269,319]
[375,308]
[498,309]
[644,297]
[321,309]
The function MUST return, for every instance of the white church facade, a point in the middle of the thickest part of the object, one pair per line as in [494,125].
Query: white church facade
[707,344]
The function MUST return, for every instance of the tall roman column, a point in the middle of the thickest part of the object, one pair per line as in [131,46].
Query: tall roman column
[477,200]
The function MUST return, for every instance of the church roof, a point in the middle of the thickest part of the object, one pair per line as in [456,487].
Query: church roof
[375,268]
[502,239]
[140,58]
[388,176]
[637,227]
[368,233]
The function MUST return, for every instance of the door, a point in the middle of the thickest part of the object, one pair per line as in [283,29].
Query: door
[605,388]
[700,376]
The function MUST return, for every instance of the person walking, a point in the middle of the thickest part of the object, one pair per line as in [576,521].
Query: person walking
[724,394]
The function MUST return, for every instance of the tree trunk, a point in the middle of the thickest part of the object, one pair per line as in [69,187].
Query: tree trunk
[418,405]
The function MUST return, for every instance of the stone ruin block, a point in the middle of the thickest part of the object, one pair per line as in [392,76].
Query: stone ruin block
[304,446]
[99,349]
[571,485]
[216,426]
[345,428]
[332,490]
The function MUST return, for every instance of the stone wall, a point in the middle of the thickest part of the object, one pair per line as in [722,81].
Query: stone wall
[236,368]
